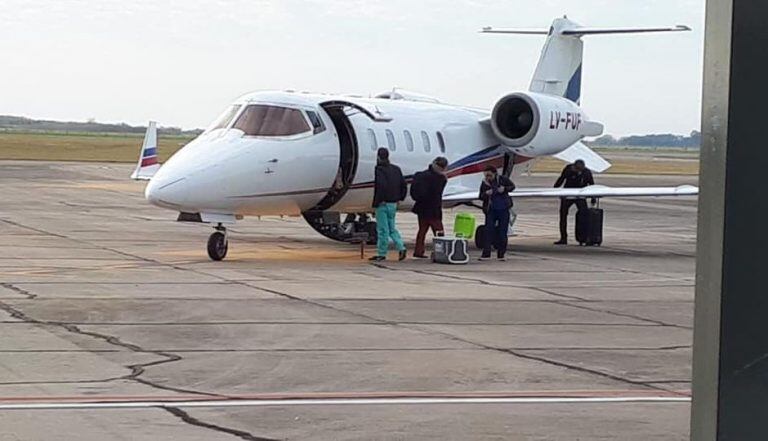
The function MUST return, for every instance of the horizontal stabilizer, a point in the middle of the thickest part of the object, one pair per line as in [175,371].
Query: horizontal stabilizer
[603,31]
[490,30]
[593,161]
[147,165]
[579,31]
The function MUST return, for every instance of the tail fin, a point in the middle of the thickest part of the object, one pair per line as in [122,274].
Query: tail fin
[147,165]
[559,69]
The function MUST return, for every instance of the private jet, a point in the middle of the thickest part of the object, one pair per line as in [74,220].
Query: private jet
[293,153]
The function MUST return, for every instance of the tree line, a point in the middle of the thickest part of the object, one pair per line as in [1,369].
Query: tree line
[655,140]
[20,123]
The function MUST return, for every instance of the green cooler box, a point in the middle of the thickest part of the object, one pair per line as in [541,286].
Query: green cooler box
[464,226]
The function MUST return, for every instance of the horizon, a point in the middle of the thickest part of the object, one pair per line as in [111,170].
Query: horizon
[190,129]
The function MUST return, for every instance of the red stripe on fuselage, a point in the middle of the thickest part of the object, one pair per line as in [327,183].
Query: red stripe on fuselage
[520,159]
[478,167]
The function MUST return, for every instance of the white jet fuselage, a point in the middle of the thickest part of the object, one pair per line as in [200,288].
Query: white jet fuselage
[227,171]
[288,153]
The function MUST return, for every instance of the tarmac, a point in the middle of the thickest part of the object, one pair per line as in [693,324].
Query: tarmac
[116,326]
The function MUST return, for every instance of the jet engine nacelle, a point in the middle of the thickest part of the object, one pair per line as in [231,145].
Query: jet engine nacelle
[535,124]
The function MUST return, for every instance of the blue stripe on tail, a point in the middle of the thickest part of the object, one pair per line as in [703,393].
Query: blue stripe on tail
[573,92]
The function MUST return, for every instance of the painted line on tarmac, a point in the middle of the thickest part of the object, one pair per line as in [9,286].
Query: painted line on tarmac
[335,402]
[572,393]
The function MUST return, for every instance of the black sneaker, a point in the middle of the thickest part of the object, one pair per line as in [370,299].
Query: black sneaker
[420,256]
[403,254]
[562,242]
[377,258]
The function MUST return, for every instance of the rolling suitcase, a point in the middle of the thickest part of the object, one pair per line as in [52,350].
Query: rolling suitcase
[451,250]
[589,227]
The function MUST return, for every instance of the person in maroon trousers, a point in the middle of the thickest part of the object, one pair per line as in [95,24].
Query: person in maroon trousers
[427,193]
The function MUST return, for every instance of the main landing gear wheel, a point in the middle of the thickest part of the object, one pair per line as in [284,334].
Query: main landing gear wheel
[334,228]
[218,244]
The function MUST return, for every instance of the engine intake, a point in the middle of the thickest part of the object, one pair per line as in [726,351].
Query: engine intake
[515,120]
[540,124]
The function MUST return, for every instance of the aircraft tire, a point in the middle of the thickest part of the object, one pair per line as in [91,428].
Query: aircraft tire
[217,246]
[333,231]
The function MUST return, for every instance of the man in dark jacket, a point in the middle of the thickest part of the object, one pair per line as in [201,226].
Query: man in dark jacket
[427,193]
[575,175]
[389,189]
[494,192]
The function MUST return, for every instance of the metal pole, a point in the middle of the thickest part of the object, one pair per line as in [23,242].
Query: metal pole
[730,361]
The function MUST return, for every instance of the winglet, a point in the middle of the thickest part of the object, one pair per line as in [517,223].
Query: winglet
[147,165]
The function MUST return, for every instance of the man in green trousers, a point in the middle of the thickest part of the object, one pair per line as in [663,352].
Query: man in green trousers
[389,189]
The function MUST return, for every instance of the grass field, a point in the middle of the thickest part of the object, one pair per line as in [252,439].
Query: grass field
[81,147]
[638,165]
[125,148]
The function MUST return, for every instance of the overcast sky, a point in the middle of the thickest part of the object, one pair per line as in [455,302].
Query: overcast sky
[181,62]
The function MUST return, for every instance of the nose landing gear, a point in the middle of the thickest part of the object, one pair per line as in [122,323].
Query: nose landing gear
[218,243]
[331,226]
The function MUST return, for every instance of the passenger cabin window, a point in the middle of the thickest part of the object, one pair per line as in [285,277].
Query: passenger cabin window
[317,123]
[425,141]
[408,140]
[372,140]
[223,121]
[441,142]
[262,120]
[391,140]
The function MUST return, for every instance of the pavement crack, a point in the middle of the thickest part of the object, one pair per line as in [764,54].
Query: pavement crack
[475,344]
[470,342]
[136,370]
[36,230]
[579,368]
[187,418]
[626,315]
[518,354]
[479,281]
[18,290]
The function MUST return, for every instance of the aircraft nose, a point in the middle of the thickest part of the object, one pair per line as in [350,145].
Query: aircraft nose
[167,193]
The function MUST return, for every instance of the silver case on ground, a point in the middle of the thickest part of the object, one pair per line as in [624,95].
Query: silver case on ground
[450,250]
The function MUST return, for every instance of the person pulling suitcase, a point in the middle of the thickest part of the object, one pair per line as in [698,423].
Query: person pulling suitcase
[575,175]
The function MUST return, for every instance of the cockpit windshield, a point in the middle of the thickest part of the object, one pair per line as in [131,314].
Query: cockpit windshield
[265,120]
[225,118]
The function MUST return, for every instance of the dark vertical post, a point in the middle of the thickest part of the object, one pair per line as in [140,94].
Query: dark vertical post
[730,372]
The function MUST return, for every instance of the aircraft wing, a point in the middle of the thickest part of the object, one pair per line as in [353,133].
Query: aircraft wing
[593,191]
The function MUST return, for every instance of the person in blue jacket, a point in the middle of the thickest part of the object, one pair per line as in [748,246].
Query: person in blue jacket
[494,192]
